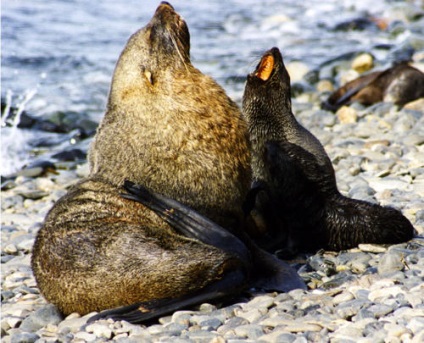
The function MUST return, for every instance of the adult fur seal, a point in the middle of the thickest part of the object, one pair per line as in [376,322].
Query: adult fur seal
[173,129]
[305,208]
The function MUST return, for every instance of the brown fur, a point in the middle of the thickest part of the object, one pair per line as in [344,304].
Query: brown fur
[399,84]
[173,129]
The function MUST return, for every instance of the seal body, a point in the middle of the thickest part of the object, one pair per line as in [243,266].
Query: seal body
[297,186]
[399,84]
[173,129]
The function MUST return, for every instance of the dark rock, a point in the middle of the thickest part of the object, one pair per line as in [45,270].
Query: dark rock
[70,155]
[357,24]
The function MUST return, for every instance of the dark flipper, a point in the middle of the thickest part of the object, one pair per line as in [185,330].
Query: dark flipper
[345,93]
[231,283]
[272,274]
[267,272]
[187,221]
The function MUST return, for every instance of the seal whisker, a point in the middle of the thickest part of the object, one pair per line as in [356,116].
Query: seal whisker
[177,48]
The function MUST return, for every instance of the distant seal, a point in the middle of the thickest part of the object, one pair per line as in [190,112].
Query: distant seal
[174,130]
[399,84]
[291,167]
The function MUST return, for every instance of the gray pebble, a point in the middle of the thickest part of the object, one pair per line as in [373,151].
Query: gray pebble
[24,337]
[380,310]
[350,308]
[390,262]
[11,202]
[249,331]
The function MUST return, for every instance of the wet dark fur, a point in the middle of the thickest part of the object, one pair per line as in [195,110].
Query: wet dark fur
[296,180]
[173,129]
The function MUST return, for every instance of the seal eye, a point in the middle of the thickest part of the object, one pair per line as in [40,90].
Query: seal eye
[265,68]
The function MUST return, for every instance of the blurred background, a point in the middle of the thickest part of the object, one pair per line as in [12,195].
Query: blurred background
[58,56]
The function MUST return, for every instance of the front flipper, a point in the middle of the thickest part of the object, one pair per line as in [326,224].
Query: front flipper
[232,282]
[281,153]
[266,271]
[187,221]
[274,275]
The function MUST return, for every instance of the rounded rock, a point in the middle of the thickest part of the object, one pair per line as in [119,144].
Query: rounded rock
[347,115]
[390,263]
[363,63]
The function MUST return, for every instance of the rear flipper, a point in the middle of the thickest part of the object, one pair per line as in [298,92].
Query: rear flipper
[231,283]
[187,221]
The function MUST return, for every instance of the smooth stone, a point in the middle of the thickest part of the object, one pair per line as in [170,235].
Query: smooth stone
[14,201]
[390,262]
[388,183]
[416,105]
[205,307]
[73,323]
[24,337]
[394,330]
[212,323]
[264,302]
[297,70]
[350,308]
[302,327]
[278,335]
[48,314]
[347,115]
[373,248]
[325,86]
[364,314]
[380,310]
[251,331]
[343,297]
[373,327]
[34,194]
[363,63]
[416,324]
[182,317]
[99,330]
[349,331]
[201,336]
[251,316]
[277,320]
[10,249]
[88,337]
[231,324]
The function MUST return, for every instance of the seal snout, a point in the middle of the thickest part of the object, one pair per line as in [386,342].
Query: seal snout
[166,4]
[165,7]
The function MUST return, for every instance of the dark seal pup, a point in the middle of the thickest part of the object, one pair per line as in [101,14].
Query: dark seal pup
[304,206]
[173,129]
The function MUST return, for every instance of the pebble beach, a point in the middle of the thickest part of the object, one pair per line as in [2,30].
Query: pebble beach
[372,293]
[369,294]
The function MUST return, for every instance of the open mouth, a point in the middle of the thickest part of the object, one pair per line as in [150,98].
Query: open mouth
[265,68]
